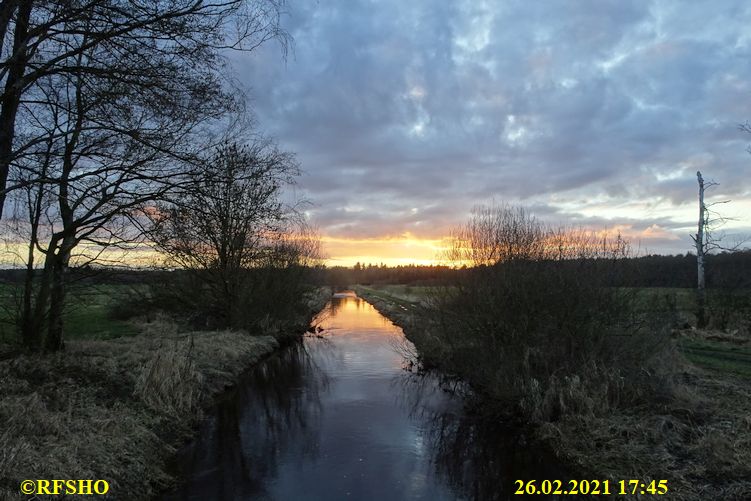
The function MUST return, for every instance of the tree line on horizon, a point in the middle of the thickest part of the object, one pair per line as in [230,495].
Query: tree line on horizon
[726,270]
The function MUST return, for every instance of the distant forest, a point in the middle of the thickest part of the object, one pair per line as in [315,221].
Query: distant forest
[725,270]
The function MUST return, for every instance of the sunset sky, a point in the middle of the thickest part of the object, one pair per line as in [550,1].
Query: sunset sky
[405,114]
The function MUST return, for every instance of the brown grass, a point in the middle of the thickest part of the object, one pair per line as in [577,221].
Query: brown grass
[116,409]
[700,442]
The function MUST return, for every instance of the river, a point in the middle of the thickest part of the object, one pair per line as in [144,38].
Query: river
[342,415]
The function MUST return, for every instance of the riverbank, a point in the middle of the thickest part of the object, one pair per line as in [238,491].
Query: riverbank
[700,442]
[117,409]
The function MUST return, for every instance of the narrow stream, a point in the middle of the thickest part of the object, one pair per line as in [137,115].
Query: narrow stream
[338,416]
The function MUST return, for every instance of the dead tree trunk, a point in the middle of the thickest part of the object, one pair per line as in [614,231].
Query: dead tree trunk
[701,294]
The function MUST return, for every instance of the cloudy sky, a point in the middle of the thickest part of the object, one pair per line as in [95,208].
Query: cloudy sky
[406,114]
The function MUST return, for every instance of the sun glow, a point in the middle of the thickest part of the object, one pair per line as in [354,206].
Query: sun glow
[391,251]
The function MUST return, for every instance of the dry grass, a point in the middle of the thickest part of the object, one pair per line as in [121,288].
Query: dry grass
[700,442]
[115,409]
[169,381]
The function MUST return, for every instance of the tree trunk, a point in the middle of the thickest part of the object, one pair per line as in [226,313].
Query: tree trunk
[27,316]
[7,7]
[12,94]
[32,333]
[701,295]
[49,305]
[54,339]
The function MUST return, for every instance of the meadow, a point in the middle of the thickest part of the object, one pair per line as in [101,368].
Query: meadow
[91,312]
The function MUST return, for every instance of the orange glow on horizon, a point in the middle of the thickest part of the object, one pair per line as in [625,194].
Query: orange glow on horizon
[404,249]
[408,249]
[391,251]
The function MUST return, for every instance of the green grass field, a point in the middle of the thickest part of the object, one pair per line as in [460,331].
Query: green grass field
[86,314]
[719,356]
[406,296]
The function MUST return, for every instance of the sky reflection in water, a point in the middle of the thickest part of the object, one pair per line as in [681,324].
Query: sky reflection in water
[338,417]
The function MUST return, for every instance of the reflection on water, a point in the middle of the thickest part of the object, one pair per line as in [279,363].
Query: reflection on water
[337,416]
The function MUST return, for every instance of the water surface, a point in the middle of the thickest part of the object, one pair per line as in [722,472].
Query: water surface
[341,416]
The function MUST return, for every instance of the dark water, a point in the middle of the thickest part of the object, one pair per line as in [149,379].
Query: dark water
[339,417]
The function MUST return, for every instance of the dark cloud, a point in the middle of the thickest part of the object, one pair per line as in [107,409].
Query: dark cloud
[406,114]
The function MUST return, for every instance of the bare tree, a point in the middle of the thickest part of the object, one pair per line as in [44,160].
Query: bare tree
[106,106]
[707,240]
[40,39]
[230,225]
[701,293]
[116,126]
[108,153]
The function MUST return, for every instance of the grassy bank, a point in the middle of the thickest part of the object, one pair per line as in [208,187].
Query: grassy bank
[117,409]
[114,409]
[700,441]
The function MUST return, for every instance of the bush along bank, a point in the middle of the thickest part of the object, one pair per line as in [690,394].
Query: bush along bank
[694,432]
[117,410]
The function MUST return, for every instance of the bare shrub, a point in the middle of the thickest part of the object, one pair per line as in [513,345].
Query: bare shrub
[534,320]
